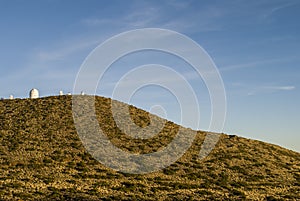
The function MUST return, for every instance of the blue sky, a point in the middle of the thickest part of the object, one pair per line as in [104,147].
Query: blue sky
[254,44]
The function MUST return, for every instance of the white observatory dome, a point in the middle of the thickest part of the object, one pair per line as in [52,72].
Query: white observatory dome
[34,93]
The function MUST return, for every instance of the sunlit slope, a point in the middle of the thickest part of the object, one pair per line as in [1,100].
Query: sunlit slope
[42,158]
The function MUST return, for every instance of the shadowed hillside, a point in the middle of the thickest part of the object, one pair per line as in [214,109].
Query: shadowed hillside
[42,158]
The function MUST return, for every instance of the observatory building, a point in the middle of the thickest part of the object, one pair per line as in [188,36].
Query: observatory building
[34,93]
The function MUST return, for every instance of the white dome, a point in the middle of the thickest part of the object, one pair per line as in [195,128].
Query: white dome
[34,93]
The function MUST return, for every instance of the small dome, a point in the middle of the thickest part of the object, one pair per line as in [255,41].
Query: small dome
[34,93]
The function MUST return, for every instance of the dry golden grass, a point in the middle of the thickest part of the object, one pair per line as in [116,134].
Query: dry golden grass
[42,158]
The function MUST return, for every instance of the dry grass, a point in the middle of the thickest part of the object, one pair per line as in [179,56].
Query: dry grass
[42,158]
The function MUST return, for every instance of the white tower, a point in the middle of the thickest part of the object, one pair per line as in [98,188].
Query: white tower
[11,97]
[34,93]
[61,93]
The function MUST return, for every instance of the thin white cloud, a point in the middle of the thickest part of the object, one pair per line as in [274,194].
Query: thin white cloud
[178,4]
[53,67]
[161,15]
[255,64]
[62,52]
[283,5]
[270,89]
[139,18]
[281,88]
[96,21]
[41,63]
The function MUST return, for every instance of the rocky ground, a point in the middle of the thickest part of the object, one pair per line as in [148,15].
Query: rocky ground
[43,158]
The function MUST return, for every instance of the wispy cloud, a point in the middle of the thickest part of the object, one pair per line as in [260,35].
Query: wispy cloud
[178,4]
[207,17]
[278,7]
[281,88]
[255,64]
[139,18]
[63,51]
[51,68]
[96,21]
[270,89]
[162,15]
[56,60]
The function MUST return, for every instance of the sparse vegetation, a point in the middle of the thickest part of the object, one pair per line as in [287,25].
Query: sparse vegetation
[42,158]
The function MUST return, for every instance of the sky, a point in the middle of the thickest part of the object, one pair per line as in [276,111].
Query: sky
[254,45]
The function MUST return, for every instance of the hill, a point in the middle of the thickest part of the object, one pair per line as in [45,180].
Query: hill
[42,158]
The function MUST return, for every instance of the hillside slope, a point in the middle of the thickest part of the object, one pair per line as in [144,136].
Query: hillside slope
[42,158]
